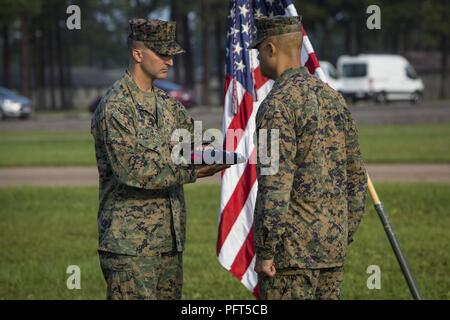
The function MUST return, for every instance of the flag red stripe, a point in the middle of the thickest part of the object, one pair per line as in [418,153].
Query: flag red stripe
[256,292]
[240,120]
[228,79]
[304,31]
[244,257]
[237,201]
[312,63]
[260,80]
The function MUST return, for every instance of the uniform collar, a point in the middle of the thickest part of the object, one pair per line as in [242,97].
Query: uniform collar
[137,94]
[293,71]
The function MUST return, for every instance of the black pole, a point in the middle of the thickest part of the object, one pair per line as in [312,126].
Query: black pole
[398,252]
[393,240]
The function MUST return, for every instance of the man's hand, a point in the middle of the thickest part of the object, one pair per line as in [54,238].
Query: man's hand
[209,170]
[265,267]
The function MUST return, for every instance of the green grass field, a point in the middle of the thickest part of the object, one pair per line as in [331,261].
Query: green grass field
[44,230]
[46,148]
[406,143]
[380,144]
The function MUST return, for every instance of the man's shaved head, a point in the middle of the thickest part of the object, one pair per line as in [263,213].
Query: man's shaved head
[133,44]
[288,43]
[278,52]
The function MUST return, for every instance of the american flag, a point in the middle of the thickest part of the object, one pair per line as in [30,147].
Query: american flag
[245,89]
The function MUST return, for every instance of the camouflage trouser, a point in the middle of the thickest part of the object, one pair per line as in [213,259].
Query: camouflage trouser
[302,284]
[139,278]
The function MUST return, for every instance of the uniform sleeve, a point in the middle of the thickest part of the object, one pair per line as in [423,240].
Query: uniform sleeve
[184,120]
[356,178]
[141,163]
[274,189]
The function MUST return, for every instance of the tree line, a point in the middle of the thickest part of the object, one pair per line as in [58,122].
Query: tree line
[37,44]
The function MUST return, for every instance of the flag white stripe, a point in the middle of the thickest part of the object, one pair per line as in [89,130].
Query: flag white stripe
[239,231]
[228,114]
[291,11]
[250,279]
[321,75]
[230,178]
[304,56]
[307,45]
[232,175]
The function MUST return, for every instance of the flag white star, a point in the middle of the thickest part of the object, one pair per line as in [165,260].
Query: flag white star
[237,48]
[233,31]
[243,10]
[240,66]
[271,14]
[258,13]
[246,28]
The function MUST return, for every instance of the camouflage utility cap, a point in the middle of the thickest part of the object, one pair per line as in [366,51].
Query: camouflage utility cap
[157,35]
[278,25]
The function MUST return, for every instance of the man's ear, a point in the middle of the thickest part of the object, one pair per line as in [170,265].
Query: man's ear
[137,55]
[271,49]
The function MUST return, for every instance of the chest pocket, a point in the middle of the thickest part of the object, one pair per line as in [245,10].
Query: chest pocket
[154,131]
[149,144]
[166,122]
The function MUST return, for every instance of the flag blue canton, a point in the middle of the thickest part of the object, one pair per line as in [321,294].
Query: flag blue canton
[241,31]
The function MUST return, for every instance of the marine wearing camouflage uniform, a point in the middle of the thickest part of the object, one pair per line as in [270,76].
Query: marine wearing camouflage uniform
[307,213]
[142,214]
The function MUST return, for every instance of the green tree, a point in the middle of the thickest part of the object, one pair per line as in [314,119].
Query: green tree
[436,15]
[21,12]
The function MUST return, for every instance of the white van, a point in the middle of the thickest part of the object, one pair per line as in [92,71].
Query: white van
[331,74]
[381,77]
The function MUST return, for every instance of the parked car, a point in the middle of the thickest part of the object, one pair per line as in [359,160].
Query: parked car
[13,105]
[381,77]
[331,74]
[176,91]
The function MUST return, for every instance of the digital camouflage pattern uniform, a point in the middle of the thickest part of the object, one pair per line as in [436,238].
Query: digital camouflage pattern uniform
[142,214]
[157,35]
[307,213]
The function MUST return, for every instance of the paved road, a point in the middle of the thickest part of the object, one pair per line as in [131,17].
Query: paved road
[88,176]
[364,113]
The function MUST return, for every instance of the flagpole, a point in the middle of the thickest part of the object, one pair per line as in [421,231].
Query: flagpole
[412,285]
